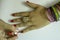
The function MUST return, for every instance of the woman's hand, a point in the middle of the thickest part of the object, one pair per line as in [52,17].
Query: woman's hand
[33,20]
[7,31]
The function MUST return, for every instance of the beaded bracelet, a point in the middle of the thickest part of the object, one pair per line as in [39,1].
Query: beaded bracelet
[53,12]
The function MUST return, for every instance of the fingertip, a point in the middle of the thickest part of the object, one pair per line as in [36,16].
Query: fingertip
[11,20]
[15,34]
[13,14]
[9,33]
[27,1]
[14,25]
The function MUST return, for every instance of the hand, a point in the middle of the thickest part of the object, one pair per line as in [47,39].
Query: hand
[33,20]
[6,30]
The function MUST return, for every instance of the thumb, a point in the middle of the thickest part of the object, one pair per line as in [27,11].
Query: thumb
[32,27]
[32,5]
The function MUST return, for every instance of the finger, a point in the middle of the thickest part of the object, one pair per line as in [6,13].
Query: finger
[32,5]
[32,27]
[23,24]
[22,19]
[16,20]
[18,14]
[12,28]
[19,25]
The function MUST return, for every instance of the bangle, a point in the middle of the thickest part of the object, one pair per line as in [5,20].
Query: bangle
[58,8]
[53,13]
[49,15]
[56,13]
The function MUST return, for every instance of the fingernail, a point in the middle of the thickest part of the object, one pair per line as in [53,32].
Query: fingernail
[15,34]
[14,25]
[11,20]
[9,33]
[13,14]
[21,31]
[27,1]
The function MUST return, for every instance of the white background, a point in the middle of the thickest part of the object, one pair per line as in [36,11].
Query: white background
[49,32]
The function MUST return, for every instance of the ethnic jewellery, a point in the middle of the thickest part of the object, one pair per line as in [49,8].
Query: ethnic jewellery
[53,12]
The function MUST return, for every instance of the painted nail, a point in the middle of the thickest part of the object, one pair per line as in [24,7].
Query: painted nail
[21,31]
[14,25]
[13,14]
[11,20]
[27,1]
[9,33]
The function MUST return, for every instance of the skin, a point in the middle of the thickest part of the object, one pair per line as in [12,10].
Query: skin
[33,20]
[4,26]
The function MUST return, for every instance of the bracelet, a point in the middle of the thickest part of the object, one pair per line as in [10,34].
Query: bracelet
[56,13]
[58,8]
[49,15]
[53,12]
